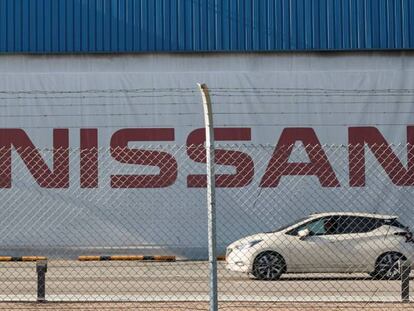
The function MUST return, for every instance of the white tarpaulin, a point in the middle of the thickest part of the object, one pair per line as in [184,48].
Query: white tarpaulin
[329,94]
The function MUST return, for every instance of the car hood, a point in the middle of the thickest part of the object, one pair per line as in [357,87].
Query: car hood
[258,236]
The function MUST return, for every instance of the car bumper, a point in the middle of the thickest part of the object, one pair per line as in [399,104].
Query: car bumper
[238,267]
[238,261]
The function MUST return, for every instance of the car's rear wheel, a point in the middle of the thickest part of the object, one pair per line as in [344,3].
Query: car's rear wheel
[388,266]
[268,266]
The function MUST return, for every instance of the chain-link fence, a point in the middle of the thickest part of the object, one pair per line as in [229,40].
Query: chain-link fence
[297,223]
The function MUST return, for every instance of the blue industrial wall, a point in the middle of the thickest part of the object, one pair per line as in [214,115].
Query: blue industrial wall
[56,26]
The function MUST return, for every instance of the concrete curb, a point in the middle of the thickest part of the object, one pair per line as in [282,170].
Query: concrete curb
[127,258]
[23,258]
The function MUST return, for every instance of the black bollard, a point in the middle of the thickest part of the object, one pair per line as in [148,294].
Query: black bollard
[405,282]
[41,269]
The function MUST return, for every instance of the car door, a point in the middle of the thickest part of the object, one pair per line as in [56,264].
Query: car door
[317,252]
[353,242]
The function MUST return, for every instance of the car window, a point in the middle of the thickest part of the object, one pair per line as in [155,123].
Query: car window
[289,225]
[353,224]
[320,226]
[316,227]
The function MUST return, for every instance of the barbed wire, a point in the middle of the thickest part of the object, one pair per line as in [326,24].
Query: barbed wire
[105,91]
[218,90]
[293,94]
[200,114]
[310,95]
[307,89]
[186,103]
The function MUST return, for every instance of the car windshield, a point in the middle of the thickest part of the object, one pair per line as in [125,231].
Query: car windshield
[395,223]
[290,224]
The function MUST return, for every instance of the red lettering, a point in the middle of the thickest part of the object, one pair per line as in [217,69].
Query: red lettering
[241,161]
[318,166]
[89,158]
[371,136]
[163,160]
[33,160]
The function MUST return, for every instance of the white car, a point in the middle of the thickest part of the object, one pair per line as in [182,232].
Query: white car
[328,242]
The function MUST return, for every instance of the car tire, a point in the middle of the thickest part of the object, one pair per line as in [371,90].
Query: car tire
[268,266]
[388,266]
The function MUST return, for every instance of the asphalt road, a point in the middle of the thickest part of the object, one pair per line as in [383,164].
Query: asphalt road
[182,281]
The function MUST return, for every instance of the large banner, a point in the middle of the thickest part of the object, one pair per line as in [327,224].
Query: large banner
[104,154]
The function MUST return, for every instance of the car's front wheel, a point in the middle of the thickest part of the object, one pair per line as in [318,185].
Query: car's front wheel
[388,266]
[268,266]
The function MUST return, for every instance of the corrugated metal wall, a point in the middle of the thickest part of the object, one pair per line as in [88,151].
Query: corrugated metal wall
[68,26]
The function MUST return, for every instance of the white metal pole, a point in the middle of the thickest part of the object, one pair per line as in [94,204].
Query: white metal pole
[211,196]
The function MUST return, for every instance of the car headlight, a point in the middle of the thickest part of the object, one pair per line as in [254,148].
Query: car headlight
[248,245]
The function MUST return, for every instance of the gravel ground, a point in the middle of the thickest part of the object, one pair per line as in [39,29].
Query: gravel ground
[184,286]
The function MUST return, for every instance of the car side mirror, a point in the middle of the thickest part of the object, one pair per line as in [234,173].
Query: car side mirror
[303,234]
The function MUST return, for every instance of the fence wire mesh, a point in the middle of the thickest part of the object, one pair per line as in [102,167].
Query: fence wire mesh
[295,223]
[299,224]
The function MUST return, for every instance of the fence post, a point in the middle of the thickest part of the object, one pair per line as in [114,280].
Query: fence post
[211,198]
[41,269]
[405,282]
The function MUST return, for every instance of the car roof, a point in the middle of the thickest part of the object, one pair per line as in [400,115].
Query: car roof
[378,216]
